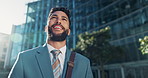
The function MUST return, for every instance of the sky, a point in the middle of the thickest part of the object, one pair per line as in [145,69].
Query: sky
[12,12]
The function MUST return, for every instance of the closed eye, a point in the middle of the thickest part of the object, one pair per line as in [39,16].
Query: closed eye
[64,19]
[53,17]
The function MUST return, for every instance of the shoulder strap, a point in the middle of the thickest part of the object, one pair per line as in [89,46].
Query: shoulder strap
[70,65]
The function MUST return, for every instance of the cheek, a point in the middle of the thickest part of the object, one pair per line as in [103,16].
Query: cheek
[50,23]
[66,25]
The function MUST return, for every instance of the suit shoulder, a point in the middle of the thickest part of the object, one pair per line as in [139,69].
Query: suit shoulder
[82,57]
[30,51]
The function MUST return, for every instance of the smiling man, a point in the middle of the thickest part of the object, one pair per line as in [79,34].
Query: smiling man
[52,60]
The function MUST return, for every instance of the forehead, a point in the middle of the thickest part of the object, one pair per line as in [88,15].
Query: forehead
[59,13]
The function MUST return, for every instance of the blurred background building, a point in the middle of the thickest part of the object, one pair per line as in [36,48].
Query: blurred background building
[4,43]
[15,45]
[128,20]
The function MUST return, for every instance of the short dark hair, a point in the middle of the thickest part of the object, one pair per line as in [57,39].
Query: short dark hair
[63,9]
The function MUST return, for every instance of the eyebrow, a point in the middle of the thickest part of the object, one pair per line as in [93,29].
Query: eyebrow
[53,15]
[57,15]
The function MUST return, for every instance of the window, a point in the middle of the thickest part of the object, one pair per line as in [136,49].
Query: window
[4,49]
[3,56]
[117,27]
[137,19]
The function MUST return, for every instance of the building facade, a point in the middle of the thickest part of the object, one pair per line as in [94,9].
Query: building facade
[4,43]
[128,20]
[15,44]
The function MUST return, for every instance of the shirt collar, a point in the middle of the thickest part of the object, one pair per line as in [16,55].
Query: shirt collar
[50,48]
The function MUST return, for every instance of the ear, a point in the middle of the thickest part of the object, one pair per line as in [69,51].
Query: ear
[69,31]
[46,28]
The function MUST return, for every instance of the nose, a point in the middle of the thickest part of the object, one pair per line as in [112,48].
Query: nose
[58,21]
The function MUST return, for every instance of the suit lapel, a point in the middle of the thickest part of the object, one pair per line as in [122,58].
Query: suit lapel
[44,62]
[67,56]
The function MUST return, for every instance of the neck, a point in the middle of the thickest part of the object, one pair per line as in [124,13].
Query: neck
[57,44]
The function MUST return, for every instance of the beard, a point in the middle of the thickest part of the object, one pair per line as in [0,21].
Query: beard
[57,37]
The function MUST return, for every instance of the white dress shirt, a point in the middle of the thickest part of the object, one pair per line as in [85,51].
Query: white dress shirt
[61,56]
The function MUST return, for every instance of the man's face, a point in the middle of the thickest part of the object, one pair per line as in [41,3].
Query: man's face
[58,26]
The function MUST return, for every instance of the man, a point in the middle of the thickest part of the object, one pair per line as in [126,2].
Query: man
[42,62]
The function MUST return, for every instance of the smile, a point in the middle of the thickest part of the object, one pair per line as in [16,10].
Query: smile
[58,27]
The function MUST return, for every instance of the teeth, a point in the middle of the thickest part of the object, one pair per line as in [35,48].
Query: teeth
[57,27]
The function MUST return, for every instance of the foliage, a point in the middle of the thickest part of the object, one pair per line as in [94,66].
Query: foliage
[144,45]
[96,46]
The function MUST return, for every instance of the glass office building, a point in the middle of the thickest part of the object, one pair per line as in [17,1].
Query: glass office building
[128,20]
[15,44]
[4,43]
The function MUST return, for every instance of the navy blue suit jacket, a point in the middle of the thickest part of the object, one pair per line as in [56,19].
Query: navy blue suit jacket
[35,63]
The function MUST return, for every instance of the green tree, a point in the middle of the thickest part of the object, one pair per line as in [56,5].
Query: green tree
[97,47]
[144,45]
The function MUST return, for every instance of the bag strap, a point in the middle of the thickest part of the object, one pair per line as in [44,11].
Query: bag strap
[70,65]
